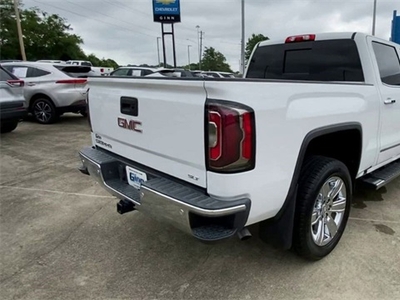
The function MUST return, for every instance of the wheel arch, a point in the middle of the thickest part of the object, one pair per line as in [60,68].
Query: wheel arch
[38,96]
[279,230]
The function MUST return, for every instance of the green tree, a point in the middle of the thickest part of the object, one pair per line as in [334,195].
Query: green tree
[96,62]
[46,36]
[110,63]
[252,42]
[214,60]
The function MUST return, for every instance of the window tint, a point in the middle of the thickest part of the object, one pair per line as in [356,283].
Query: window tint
[86,63]
[35,72]
[8,68]
[120,72]
[331,60]
[388,63]
[4,76]
[146,72]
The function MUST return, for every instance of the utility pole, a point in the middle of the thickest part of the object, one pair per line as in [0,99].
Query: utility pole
[201,47]
[189,55]
[19,28]
[158,51]
[243,64]
[198,43]
[374,18]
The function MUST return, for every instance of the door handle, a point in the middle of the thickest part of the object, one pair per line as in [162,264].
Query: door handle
[389,101]
[31,84]
[129,106]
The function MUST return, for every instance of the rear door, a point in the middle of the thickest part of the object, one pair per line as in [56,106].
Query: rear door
[8,91]
[157,123]
[387,64]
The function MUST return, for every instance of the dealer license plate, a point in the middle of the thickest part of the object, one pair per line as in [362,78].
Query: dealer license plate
[135,177]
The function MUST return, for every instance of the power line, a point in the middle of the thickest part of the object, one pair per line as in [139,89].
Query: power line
[91,18]
[112,24]
[103,14]
[126,6]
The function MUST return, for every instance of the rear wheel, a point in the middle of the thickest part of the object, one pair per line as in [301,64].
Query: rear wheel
[43,111]
[323,206]
[8,126]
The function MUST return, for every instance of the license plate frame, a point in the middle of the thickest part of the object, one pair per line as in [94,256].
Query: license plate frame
[135,177]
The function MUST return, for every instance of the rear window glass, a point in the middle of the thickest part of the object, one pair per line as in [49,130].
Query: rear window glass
[388,63]
[35,72]
[331,60]
[120,72]
[4,76]
[136,73]
[74,71]
[19,72]
[146,72]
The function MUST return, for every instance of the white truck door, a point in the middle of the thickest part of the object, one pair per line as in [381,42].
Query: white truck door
[388,63]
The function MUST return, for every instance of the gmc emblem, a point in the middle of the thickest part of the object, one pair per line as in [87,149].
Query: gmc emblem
[130,124]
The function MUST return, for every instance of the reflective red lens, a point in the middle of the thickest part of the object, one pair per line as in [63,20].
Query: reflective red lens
[15,82]
[300,38]
[230,137]
[247,144]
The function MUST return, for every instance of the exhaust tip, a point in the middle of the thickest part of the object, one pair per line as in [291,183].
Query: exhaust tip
[244,234]
[83,170]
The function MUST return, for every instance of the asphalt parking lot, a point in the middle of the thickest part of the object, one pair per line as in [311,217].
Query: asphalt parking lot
[61,238]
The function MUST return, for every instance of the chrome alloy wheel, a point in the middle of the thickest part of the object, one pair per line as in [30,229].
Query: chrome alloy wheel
[42,111]
[329,210]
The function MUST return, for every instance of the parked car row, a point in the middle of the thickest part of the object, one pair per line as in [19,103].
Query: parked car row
[51,89]
[132,71]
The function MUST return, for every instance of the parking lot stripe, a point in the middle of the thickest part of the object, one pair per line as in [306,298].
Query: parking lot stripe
[54,192]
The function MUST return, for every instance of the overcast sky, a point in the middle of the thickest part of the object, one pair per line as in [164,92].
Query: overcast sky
[124,29]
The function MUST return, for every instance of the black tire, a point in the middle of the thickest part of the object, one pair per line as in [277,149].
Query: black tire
[83,113]
[44,111]
[8,126]
[316,172]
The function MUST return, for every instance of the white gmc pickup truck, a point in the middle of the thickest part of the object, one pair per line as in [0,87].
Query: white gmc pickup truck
[283,147]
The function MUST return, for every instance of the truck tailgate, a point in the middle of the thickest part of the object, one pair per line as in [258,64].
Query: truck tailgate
[157,123]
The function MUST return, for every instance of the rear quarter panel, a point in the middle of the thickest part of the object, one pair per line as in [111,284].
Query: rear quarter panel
[285,113]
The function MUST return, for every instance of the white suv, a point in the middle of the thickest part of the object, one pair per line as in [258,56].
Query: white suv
[52,89]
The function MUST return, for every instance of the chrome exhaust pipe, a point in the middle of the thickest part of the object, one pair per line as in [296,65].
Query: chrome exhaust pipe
[244,234]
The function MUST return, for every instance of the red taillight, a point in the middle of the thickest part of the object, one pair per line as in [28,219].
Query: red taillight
[15,82]
[300,38]
[247,144]
[231,139]
[72,81]
[101,70]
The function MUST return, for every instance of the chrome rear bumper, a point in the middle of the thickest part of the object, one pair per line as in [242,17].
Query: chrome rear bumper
[180,204]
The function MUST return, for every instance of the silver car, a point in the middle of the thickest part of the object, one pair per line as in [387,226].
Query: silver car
[52,89]
[12,101]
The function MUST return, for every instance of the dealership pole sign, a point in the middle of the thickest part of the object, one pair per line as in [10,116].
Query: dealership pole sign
[166,11]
